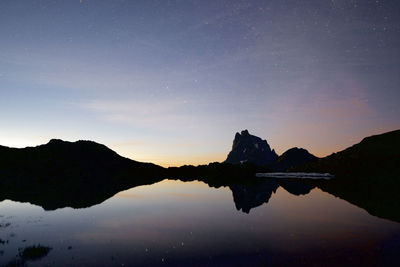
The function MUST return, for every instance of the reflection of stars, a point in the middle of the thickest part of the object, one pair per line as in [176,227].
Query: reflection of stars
[80,1]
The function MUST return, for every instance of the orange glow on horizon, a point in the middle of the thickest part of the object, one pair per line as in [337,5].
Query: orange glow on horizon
[319,141]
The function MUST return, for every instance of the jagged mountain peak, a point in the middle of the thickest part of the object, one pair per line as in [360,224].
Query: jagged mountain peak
[247,148]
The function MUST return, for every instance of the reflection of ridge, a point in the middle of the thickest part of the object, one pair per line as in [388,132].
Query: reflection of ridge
[73,194]
[378,197]
[295,188]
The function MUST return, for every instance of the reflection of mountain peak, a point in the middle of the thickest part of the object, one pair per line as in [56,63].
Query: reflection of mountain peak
[247,197]
[247,148]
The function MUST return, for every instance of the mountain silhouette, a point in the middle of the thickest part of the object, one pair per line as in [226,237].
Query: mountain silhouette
[373,156]
[84,173]
[367,174]
[291,158]
[68,160]
[247,148]
[69,174]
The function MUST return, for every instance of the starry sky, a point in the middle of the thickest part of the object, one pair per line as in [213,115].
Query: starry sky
[170,82]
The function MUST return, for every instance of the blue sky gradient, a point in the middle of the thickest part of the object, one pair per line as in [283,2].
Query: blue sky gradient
[172,81]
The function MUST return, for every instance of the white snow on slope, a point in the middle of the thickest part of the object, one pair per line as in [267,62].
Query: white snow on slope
[296,175]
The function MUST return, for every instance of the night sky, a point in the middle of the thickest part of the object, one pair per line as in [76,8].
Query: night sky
[172,81]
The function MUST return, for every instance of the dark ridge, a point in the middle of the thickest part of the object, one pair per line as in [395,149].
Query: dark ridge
[373,156]
[291,158]
[69,174]
[66,159]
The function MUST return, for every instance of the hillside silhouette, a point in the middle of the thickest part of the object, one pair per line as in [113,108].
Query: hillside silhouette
[372,157]
[84,173]
[69,174]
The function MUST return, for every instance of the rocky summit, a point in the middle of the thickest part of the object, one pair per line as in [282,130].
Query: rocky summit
[248,148]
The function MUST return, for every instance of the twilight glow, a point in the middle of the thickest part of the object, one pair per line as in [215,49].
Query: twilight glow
[170,82]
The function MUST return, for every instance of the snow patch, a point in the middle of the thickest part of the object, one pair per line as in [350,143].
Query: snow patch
[296,175]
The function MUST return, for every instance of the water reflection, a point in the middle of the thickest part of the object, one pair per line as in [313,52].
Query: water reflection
[77,193]
[378,198]
[247,197]
[189,223]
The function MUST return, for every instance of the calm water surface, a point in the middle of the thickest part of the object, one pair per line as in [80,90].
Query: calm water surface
[189,223]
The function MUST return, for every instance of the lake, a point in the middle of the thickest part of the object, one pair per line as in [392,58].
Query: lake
[190,223]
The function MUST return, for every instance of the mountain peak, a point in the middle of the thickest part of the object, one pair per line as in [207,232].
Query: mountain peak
[245,132]
[247,148]
[293,157]
[55,141]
